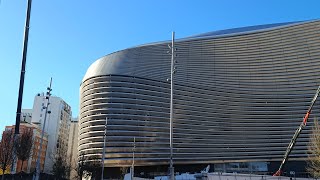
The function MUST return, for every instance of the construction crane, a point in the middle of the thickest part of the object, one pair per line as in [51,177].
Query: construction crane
[296,134]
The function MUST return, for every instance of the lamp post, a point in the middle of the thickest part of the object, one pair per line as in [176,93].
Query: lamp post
[173,71]
[37,174]
[104,147]
[133,151]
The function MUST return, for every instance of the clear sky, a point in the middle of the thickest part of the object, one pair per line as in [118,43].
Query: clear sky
[66,36]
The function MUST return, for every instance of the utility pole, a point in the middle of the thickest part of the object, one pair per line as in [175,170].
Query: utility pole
[104,147]
[37,174]
[173,71]
[23,70]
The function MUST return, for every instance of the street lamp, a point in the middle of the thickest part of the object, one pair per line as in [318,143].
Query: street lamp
[173,71]
[37,174]
[133,151]
[104,147]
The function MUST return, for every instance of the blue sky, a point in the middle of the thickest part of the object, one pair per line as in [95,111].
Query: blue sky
[67,36]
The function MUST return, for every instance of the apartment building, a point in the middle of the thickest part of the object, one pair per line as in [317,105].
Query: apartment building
[57,126]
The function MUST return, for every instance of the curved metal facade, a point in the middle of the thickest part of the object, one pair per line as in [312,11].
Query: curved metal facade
[238,97]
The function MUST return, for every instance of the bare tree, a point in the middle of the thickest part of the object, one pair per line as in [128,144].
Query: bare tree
[314,151]
[23,145]
[81,166]
[60,168]
[6,150]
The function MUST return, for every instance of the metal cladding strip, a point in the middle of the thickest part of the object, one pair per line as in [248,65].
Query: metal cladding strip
[236,98]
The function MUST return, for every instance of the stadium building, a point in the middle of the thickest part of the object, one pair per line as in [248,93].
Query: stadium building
[239,96]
